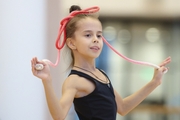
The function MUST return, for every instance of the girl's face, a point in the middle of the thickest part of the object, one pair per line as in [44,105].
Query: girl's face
[88,37]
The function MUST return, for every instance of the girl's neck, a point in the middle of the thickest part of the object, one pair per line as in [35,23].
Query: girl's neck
[85,63]
[90,67]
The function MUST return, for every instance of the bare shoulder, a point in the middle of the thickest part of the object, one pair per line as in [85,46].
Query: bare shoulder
[70,82]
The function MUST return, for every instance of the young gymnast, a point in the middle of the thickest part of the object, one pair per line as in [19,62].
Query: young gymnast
[89,88]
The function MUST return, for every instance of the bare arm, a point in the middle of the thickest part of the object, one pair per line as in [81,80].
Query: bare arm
[58,108]
[127,104]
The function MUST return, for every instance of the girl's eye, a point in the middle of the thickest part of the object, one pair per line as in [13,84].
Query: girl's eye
[88,35]
[99,36]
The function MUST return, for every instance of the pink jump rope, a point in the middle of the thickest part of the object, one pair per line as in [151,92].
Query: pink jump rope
[62,29]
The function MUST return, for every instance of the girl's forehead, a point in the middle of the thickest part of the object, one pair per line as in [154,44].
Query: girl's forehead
[89,24]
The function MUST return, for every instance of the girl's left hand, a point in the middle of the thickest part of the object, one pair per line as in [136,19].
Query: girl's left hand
[158,73]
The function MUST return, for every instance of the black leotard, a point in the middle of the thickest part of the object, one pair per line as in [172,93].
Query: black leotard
[98,105]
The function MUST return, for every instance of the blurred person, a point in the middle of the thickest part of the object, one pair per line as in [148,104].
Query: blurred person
[87,87]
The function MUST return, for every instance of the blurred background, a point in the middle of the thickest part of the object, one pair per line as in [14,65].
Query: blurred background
[145,30]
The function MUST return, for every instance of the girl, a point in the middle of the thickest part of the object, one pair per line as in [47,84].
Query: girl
[86,86]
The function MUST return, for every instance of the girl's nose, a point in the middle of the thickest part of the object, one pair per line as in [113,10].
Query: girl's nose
[95,40]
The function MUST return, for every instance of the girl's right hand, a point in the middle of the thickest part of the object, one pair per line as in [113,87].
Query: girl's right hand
[43,74]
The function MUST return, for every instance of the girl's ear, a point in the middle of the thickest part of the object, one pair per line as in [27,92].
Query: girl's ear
[70,43]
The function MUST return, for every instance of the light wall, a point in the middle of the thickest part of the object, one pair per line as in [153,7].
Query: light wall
[131,8]
[27,29]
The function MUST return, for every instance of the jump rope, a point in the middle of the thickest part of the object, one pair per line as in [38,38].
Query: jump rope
[60,45]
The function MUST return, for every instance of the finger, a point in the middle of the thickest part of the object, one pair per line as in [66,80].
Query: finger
[40,62]
[33,62]
[167,59]
[36,60]
[163,69]
[165,62]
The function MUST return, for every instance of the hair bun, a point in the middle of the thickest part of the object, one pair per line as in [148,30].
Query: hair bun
[74,8]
